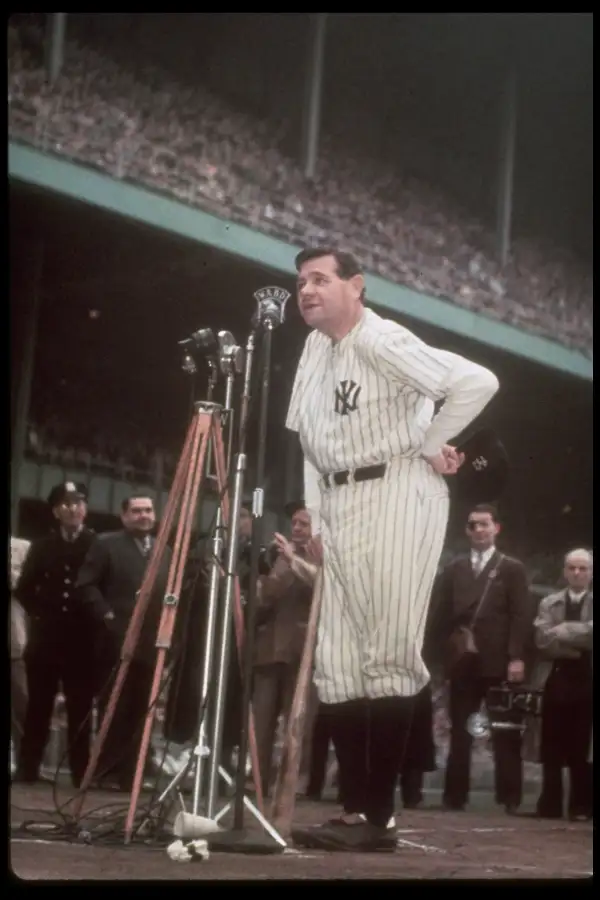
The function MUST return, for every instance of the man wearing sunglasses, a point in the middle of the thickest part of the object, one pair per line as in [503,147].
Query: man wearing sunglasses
[483,620]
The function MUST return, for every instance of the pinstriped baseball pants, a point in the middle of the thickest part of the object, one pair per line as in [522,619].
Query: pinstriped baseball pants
[382,542]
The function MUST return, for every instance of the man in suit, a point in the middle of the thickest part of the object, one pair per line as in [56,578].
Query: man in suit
[482,613]
[564,635]
[282,616]
[59,651]
[109,580]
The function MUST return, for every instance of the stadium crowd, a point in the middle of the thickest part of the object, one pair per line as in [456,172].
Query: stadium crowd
[136,124]
[100,450]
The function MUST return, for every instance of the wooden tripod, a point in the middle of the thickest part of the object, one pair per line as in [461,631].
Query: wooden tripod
[205,431]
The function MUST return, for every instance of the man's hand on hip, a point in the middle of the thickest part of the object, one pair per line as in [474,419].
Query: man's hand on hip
[447,462]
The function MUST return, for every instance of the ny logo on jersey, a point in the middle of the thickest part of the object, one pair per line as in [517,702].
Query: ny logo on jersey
[480,463]
[346,397]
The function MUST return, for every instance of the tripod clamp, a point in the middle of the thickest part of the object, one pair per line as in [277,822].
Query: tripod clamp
[204,406]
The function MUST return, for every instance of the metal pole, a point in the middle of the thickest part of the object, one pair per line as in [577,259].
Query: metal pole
[231,563]
[23,400]
[506,170]
[55,45]
[314,93]
[211,627]
[257,542]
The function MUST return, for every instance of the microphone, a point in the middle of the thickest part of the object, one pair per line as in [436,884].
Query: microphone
[270,307]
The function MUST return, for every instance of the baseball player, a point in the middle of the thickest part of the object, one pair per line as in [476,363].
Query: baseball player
[374,456]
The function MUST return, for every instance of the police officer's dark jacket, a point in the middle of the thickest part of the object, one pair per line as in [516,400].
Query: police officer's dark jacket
[46,588]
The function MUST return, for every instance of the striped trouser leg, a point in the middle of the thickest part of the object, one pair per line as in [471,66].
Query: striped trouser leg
[382,543]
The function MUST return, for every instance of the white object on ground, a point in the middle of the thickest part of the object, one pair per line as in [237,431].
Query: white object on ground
[190,827]
[190,851]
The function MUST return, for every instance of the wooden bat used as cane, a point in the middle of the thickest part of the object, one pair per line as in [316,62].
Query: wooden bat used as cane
[284,798]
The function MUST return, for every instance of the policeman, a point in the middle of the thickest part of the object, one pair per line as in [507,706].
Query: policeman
[60,650]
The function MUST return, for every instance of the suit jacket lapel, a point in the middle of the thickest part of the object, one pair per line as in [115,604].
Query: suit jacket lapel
[138,560]
[469,587]
[466,585]
[492,561]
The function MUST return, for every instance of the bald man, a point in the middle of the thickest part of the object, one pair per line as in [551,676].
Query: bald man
[563,634]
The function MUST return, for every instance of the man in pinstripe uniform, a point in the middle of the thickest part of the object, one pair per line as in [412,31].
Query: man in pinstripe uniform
[374,457]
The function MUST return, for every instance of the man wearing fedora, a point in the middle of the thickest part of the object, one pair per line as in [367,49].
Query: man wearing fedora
[60,642]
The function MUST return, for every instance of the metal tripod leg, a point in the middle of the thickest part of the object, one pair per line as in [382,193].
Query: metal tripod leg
[171,599]
[137,617]
[202,749]
[252,808]
[179,776]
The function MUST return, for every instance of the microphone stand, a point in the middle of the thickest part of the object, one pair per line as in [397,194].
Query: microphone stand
[269,315]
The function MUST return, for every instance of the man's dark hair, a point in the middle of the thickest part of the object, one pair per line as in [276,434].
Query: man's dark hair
[486,508]
[126,502]
[347,264]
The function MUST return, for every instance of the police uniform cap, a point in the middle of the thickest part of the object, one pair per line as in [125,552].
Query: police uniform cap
[66,490]
[483,476]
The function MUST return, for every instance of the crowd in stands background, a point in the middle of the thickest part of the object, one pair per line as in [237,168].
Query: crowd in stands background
[135,124]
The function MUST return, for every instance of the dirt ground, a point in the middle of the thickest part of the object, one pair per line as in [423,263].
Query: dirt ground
[432,844]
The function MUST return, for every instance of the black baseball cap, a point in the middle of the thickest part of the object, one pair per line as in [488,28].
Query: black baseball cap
[483,476]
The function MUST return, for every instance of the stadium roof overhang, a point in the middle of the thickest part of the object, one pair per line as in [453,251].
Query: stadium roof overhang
[99,190]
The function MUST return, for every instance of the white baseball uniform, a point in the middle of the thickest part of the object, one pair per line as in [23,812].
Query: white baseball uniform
[365,400]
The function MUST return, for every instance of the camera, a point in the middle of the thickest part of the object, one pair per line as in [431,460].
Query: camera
[505,709]
[508,699]
[266,557]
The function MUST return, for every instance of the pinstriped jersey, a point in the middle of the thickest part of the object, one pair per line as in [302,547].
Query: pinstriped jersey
[368,398]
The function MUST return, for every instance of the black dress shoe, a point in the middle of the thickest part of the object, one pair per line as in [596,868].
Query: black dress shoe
[341,836]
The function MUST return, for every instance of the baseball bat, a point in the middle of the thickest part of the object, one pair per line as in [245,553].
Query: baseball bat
[284,797]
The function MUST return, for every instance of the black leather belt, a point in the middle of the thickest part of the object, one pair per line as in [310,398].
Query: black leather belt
[367,473]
